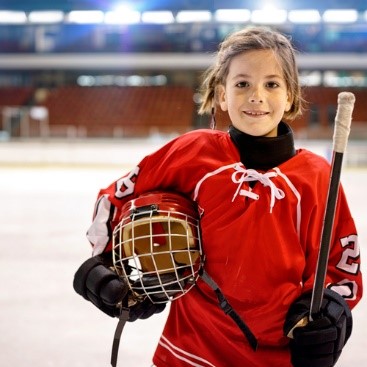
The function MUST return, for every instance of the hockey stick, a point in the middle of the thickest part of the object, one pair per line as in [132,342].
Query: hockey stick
[343,120]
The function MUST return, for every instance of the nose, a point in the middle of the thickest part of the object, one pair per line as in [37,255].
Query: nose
[255,96]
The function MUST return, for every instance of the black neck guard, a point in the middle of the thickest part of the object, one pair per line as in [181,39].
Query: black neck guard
[264,153]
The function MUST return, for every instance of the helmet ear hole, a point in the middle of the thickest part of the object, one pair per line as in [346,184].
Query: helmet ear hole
[159,235]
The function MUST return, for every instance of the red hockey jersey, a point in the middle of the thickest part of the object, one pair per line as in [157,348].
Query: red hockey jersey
[260,242]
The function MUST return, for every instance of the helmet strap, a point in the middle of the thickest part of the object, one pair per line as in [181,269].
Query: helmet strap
[223,304]
[228,310]
[124,316]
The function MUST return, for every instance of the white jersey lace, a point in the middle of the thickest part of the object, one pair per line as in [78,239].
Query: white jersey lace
[242,175]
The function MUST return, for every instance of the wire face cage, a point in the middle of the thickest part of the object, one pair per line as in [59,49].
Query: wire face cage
[157,246]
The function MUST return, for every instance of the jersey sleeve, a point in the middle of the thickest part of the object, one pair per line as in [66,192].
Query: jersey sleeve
[343,271]
[162,170]
[344,268]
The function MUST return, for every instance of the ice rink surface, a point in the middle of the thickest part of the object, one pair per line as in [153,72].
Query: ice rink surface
[44,214]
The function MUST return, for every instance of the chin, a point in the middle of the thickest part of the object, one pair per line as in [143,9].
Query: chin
[256,132]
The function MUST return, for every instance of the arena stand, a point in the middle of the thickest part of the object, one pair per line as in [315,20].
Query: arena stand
[100,112]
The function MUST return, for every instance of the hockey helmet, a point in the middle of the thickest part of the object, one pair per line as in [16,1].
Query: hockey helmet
[158,238]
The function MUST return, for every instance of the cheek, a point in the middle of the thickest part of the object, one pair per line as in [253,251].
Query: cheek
[232,101]
[282,104]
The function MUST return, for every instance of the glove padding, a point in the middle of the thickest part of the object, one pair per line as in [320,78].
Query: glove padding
[320,342]
[97,283]
[145,309]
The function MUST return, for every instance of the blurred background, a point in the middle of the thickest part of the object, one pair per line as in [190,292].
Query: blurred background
[87,89]
[138,63]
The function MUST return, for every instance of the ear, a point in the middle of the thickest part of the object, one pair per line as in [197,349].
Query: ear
[289,103]
[222,100]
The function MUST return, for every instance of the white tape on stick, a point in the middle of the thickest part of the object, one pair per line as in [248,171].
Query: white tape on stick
[343,121]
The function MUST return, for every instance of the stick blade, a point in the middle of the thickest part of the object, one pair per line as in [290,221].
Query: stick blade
[343,120]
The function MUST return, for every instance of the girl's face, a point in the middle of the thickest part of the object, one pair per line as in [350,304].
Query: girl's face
[255,93]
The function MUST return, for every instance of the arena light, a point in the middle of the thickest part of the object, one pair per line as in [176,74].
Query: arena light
[232,15]
[85,16]
[269,16]
[304,16]
[187,16]
[38,113]
[12,17]
[311,78]
[122,17]
[86,80]
[157,17]
[53,16]
[340,16]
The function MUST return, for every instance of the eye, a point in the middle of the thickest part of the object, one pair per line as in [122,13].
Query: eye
[272,85]
[242,84]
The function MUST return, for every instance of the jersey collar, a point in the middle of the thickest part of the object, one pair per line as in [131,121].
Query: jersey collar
[264,153]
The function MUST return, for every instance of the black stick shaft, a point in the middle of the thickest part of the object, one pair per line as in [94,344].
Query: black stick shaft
[318,288]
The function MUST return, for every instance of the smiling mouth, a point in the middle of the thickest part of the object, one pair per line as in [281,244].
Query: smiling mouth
[255,113]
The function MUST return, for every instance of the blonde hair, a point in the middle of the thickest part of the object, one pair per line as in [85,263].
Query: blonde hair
[248,39]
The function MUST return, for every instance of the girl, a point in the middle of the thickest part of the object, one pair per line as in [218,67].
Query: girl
[262,204]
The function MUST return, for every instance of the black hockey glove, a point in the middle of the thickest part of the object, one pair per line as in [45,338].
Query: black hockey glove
[320,342]
[145,309]
[97,283]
